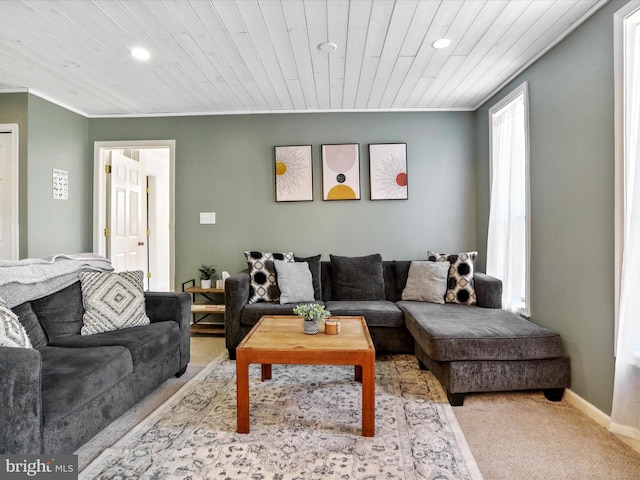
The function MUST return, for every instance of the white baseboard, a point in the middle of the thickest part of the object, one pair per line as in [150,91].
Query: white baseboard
[597,415]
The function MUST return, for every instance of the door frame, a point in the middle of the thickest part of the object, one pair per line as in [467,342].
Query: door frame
[13,130]
[100,193]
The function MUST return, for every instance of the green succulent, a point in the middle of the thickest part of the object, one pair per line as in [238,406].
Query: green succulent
[312,311]
[206,272]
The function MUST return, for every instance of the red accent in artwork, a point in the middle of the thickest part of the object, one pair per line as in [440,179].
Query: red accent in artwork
[401,179]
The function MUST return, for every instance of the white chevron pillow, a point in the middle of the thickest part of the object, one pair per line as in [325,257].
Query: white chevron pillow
[12,333]
[112,301]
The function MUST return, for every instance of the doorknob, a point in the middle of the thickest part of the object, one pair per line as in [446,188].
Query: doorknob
[140,244]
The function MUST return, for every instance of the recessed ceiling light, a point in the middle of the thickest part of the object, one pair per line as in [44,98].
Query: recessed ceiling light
[442,43]
[327,47]
[140,53]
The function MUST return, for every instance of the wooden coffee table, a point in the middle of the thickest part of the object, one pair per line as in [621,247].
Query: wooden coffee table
[281,340]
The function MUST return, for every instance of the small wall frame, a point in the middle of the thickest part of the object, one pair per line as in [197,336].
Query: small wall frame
[293,173]
[341,172]
[388,171]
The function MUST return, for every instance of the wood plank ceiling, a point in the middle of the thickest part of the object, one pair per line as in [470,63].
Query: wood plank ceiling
[239,56]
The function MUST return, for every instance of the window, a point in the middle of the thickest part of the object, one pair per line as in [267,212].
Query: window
[625,409]
[508,236]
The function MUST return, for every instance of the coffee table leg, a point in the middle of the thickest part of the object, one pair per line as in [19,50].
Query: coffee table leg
[266,371]
[368,399]
[242,392]
[358,373]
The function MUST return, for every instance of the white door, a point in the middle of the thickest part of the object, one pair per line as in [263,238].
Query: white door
[127,215]
[8,199]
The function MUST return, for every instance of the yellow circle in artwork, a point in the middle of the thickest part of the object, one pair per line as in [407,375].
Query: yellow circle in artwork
[341,192]
[281,168]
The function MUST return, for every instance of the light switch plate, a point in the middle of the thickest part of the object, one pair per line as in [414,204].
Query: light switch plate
[207,218]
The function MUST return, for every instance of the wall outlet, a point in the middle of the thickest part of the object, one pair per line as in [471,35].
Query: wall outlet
[207,218]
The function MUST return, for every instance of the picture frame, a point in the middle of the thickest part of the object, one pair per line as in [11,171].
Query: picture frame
[293,173]
[388,177]
[341,171]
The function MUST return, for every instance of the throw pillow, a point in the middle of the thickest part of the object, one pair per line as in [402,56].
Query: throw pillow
[264,284]
[358,278]
[460,287]
[427,282]
[112,301]
[295,281]
[12,333]
[316,273]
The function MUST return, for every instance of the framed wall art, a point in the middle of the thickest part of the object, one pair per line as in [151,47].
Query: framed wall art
[388,171]
[294,173]
[341,172]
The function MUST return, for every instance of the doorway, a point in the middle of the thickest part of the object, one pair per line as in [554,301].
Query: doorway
[134,208]
[9,213]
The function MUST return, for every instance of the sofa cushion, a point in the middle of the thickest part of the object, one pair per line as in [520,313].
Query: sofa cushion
[73,376]
[12,333]
[60,313]
[30,322]
[426,282]
[316,274]
[461,288]
[358,278]
[263,276]
[294,281]
[251,313]
[145,343]
[112,301]
[456,332]
[381,313]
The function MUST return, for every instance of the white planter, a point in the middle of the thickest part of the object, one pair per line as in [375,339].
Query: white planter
[205,283]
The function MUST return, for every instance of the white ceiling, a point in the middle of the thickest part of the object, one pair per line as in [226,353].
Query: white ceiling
[239,56]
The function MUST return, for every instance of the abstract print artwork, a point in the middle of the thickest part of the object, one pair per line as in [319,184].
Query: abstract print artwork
[341,172]
[294,173]
[388,171]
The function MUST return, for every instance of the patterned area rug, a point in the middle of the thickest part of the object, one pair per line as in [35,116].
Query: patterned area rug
[305,424]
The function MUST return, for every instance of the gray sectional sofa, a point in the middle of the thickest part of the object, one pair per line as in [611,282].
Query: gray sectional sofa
[477,348]
[67,388]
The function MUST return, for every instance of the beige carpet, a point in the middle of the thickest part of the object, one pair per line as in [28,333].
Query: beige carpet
[511,435]
[521,435]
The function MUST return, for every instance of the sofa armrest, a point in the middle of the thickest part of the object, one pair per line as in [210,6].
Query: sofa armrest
[21,401]
[236,295]
[488,290]
[173,306]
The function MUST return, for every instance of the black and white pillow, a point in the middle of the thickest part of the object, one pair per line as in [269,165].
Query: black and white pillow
[12,333]
[460,286]
[112,301]
[264,282]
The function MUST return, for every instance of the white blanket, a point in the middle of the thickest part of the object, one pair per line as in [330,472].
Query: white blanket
[25,280]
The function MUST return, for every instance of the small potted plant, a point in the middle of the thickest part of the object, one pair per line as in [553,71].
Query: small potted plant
[312,313]
[206,272]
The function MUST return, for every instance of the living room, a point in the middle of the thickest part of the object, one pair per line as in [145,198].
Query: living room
[224,163]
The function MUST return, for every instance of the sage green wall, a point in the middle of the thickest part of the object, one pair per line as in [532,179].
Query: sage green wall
[13,109]
[225,164]
[58,138]
[572,193]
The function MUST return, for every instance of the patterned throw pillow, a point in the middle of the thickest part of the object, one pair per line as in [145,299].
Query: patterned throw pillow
[264,283]
[12,333]
[112,301]
[460,288]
